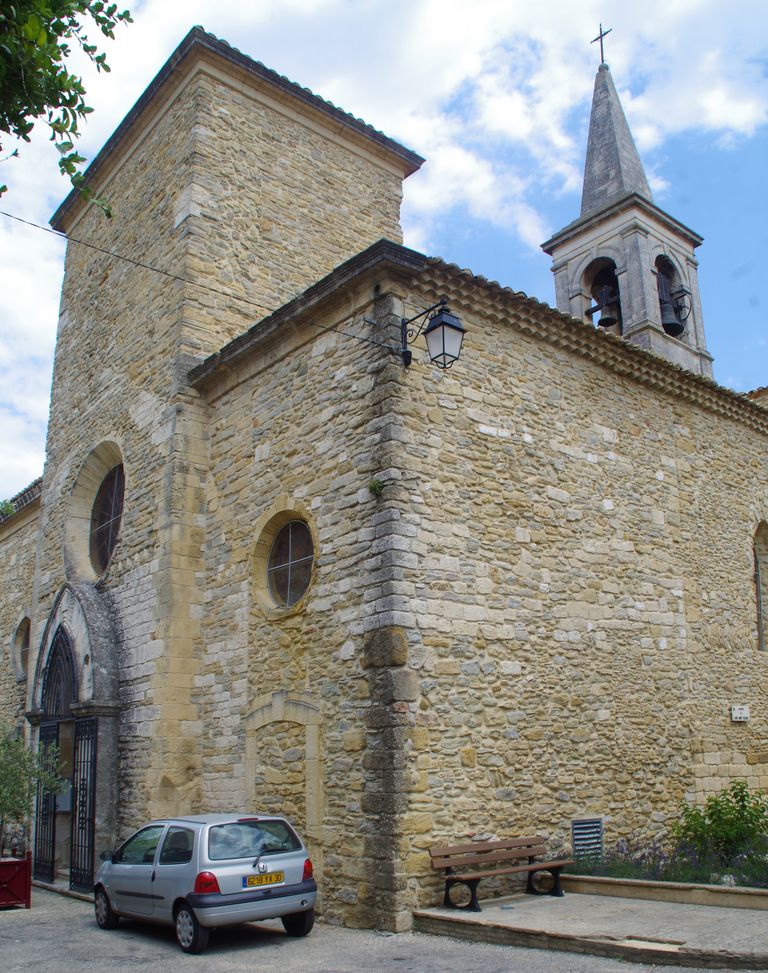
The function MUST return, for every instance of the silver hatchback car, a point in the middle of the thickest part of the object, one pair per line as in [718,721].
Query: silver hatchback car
[208,870]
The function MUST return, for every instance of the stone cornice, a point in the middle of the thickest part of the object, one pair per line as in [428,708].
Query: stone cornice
[630,201]
[79,710]
[197,45]
[620,357]
[512,308]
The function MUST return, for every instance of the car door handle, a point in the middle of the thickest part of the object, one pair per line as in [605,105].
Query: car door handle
[153,875]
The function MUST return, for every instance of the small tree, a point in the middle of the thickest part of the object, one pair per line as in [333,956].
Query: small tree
[21,772]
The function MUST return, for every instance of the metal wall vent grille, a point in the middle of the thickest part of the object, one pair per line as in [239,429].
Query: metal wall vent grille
[587,838]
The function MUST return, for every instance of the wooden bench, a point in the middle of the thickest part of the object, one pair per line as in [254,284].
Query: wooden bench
[483,859]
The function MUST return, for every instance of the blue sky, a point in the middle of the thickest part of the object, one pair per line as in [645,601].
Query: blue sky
[496,95]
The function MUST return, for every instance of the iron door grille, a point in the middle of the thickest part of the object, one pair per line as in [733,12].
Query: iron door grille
[45,817]
[83,805]
[587,839]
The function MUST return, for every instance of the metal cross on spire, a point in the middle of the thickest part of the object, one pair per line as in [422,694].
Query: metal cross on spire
[600,36]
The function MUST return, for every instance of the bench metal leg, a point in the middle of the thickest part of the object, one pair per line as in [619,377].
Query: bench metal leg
[473,905]
[556,889]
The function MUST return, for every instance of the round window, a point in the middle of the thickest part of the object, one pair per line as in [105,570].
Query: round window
[106,516]
[289,568]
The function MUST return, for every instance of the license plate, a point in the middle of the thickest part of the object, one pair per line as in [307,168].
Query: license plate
[256,881]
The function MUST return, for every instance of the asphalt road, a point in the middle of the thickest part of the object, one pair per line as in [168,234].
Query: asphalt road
[59,933]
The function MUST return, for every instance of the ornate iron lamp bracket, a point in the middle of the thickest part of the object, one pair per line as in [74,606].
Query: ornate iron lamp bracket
[409,334]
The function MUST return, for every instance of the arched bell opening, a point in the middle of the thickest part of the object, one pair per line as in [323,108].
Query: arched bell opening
[674,300]
[602,284]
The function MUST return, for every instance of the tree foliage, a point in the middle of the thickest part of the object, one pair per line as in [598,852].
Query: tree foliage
[36,38]
[21,770]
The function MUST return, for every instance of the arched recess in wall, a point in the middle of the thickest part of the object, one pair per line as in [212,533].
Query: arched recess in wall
[88,616]
[600,280]
[75,707]
[273,712]
[94,513]
[761,583]
[20,649]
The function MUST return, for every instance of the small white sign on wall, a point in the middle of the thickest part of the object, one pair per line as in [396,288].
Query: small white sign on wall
[739,714]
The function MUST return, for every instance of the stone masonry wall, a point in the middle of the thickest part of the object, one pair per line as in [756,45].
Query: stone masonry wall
[281,772]
[272,201]
[584,601]
[18,537]
[115,381]
[299,427]
[542,615]
[244,199]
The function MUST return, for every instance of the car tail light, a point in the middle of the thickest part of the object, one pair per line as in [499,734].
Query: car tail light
[206,882]
[308,870]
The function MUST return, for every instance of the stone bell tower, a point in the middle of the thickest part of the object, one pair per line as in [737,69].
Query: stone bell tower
[625,264]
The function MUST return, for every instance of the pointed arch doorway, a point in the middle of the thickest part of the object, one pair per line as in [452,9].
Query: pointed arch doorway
[65,822]
[75,710]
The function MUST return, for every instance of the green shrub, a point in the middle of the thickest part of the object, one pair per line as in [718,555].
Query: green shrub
[723,842]
[729,824]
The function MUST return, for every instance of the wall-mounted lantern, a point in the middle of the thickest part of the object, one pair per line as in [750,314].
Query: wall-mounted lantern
[443,333]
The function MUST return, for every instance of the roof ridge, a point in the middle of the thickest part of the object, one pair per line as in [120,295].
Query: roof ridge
[200,38]
[24,498]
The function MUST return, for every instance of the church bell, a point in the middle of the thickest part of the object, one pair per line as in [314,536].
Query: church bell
[606,304]
[607,317]
[673,326]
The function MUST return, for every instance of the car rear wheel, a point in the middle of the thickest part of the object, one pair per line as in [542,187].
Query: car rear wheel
[299,923]
[105,917]
[190,935]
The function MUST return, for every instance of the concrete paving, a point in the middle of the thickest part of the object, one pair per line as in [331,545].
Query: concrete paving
[631,929]
[59,932]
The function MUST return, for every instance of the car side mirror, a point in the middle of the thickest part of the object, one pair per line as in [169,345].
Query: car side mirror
[106,856]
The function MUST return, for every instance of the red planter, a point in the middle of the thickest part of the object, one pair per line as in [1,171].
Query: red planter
[16,881]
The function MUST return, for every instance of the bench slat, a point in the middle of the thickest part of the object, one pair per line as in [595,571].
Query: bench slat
[534,867]
[475,846]
[456,861]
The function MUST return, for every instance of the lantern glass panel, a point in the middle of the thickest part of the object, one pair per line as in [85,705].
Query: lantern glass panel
[444,336]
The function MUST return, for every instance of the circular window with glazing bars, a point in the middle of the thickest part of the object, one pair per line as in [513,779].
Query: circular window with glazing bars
[106,516]
[289,568]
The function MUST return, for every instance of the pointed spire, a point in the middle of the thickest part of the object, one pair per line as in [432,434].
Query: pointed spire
[613,168]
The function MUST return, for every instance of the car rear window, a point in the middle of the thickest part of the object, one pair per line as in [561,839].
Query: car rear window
[247,839]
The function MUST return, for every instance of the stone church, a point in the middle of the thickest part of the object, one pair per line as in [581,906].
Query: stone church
[271,565]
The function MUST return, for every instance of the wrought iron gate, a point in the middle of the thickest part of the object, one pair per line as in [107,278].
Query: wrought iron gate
[83,805]
[45,819]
